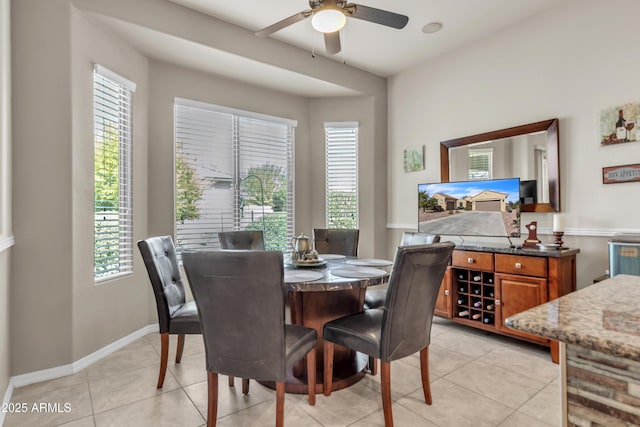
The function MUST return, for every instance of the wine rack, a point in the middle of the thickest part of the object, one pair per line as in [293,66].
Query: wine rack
[475,296]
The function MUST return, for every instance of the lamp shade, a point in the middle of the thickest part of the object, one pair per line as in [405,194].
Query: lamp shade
[328,20]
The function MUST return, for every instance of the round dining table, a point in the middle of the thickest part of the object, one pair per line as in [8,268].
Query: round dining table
[321,293]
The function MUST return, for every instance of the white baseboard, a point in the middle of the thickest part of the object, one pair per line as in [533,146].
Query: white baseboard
[113,347]
[6,243]
[61,371]
[6,400]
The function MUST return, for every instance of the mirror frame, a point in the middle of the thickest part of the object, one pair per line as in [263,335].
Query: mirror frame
[551,126]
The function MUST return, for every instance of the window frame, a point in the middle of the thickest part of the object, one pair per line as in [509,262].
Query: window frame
[488,153]
[236,176]
[341,170]
[116,112]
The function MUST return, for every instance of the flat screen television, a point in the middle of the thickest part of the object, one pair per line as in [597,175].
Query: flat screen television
[489,208]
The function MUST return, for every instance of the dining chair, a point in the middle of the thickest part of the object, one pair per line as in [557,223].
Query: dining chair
[245,239]
[231,290]
[175,315]
[336,241]
[374,298]
[402,327]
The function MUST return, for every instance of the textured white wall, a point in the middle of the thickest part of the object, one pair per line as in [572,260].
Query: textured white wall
[568,63]
[5,186]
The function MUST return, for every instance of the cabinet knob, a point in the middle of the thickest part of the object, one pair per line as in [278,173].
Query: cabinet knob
[446,292]
[497,302]
[470,260]
[518,265]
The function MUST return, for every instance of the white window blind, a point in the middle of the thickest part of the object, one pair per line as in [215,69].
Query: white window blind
[341,174]
[113,213]
[480,163]
[233,172]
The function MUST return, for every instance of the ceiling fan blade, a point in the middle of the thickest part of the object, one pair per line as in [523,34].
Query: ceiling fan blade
[378,16]
[267,31]
[332,42]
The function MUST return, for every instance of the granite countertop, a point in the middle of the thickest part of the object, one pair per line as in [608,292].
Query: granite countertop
[507,249]
[604,317]
[329,281]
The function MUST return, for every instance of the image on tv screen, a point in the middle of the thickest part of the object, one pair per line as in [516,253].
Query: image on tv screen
[470,208]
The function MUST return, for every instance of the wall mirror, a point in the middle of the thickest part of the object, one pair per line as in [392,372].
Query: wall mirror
[530,152]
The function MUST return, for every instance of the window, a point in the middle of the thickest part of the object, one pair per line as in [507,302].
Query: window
[480,163]
[233,171]
[342,174]
[113,214]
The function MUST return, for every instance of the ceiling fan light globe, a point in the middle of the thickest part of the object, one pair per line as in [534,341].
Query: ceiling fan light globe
[328,20]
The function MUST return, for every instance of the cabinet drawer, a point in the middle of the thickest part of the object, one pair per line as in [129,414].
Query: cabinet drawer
[472,260]
[521,265]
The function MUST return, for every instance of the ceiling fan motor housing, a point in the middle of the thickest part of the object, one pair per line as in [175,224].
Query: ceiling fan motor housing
[331,26]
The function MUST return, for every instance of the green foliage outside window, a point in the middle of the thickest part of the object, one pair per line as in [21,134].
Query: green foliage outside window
[274,190]
[275,231]
[189,190]
[270,184]
[106,206]
[427,203]
[343,208]
[274,186]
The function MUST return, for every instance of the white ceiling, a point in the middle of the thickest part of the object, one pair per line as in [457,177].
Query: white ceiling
[375,48]
[371,47]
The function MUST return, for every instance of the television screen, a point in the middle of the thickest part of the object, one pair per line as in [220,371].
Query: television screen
[529,191]
[470,208]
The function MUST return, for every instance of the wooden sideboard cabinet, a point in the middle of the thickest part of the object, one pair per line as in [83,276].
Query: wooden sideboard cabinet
[485,285]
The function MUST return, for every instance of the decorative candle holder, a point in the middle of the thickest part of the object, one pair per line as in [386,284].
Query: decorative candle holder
[558,239]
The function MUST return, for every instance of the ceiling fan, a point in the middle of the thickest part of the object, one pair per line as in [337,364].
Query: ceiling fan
[329,16]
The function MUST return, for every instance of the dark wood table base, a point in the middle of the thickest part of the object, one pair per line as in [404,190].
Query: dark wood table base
[345,375]
[314,303]
[313,310]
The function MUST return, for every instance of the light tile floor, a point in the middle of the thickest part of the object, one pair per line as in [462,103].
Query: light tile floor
[477,379]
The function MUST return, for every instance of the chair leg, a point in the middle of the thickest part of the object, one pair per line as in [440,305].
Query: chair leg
[373,365]
[212,399]
[385,383]
[180,348]
[328,367]
[311,376]
[280,404]
[424,371]
[164,356]
[245,386]
[231,384]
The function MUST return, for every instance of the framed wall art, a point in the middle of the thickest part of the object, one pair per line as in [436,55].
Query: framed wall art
[624,173]
[414,159]
[620,124]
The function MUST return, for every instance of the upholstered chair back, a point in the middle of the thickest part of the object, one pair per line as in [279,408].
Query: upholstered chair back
[411,297]
[412,238]
[247,342]
[159,256]
[253,240]
[336,241]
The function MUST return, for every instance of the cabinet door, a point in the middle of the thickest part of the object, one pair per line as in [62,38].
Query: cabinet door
[443,303]
[517,294]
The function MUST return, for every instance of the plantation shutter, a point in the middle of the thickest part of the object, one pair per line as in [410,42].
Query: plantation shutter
[341,174]
[480,163]
[113,167]
[234,171]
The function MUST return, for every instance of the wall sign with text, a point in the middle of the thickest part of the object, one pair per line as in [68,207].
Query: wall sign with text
[624,173]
